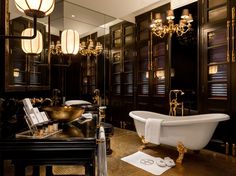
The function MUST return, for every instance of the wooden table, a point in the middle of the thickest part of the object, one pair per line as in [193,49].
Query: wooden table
[75,145]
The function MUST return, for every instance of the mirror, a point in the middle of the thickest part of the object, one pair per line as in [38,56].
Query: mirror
[67,14]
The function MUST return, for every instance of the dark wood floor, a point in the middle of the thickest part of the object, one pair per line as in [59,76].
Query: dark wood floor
[125,142]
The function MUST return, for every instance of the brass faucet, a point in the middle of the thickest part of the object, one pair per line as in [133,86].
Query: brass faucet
[174,102]
[96,98]
[55,96]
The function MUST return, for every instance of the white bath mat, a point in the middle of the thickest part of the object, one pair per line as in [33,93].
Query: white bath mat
[145,162]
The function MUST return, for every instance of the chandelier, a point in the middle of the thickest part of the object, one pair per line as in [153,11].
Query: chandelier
[88,49]
[55,48]
[160,30]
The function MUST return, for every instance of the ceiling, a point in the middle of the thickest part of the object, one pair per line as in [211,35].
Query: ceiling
[88,16]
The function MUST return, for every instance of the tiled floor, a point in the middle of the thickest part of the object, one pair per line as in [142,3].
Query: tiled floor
[125,142]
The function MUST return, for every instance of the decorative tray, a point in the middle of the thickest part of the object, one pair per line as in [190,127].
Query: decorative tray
[28,134]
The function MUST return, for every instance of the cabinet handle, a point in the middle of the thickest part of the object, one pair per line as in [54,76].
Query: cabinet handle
[233,29]
[149,62]
[228,26]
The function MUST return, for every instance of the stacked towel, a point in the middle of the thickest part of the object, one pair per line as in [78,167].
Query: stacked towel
[102,158]
[153,130]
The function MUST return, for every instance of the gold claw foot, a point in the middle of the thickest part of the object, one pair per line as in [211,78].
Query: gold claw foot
[182,150]
[144,143]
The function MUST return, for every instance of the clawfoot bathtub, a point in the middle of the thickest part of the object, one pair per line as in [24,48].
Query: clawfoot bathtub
[184,132]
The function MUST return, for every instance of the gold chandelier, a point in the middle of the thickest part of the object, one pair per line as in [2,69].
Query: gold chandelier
[88,49]
[160,30]
[55,48]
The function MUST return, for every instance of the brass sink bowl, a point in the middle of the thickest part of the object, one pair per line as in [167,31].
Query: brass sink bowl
[63,113]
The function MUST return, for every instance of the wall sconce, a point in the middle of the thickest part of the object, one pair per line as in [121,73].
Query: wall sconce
[32,46]
[16,72]
[147,74]
[35,9]
[160,74]
[88,49]
[213,69]
[161,30]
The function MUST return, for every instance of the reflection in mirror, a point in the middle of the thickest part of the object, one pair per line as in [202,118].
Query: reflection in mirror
[54,70]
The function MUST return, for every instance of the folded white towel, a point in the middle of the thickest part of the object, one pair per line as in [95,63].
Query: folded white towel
[153,130]
[102,158]
[76,102]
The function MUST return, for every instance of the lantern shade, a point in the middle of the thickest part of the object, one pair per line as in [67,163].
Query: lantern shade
[32,46]
[35,8]
[70,42]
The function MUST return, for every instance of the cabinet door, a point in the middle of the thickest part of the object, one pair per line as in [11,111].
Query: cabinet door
[143,63]
[216,49]
[128,59]
[143,70]
[216,62]
[152,64]
[159,68]
[88,70]
[116,72]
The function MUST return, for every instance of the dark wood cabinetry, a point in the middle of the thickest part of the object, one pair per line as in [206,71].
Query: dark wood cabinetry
[153,67]
[88,70]
[94,69]
[217,46]
[122,61]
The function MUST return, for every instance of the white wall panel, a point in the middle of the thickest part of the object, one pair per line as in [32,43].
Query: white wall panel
[180,3]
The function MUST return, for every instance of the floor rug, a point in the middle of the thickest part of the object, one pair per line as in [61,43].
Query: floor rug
[145,162]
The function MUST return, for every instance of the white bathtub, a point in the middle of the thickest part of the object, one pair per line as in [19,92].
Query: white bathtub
[194,131]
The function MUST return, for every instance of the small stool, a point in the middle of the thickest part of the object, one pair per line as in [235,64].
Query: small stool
[109,131]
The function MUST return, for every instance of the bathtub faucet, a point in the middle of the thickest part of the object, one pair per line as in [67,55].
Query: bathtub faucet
[173,101]
[97,98]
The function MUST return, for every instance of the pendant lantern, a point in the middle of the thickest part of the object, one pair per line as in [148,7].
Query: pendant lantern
[32,46]
[70,42]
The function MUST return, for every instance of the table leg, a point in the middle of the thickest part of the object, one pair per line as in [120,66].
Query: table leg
[19,169]
[1,166]
[88,169]
[49,171]
[36,170]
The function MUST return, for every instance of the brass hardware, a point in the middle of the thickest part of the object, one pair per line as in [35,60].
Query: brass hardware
[121,124]
[144,145]
[99,141]
[228,26]
[124,124]
[226,148]
[161,30]
[182,150]
[149,46]
[233,150]
[96,97]
[233,28]
[173,102]
[102,114]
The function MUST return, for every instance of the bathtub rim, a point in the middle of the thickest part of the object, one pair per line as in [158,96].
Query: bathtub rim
[183,120]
